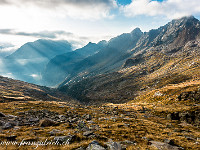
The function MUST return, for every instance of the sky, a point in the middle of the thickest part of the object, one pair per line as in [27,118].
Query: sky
[82,21]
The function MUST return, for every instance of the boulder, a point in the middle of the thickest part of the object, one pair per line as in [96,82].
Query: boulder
[8,125]
[2,114]
[89,134]
[168,141]
[2,123]
[94,145]
[114,146]
[164,146]
[173,116]
[47,123]
[191,117]
[54,132]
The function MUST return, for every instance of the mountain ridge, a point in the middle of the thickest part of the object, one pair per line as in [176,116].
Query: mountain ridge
[148,58]
[64,64]
[112,56]
[38,48]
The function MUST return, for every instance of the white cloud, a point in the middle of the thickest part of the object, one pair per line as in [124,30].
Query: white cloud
[169,8]
[28,20]
[81,9]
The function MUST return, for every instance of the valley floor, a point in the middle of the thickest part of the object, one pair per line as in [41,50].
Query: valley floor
[167,118]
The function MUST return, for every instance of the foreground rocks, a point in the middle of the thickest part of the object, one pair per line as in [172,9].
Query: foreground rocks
[110,127]
[164,146]
[114,146]
[47,123]
[192,95]
[191,117]
[95,146]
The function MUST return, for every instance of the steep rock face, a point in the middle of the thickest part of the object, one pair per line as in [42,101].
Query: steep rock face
[28,61]
[167,39]
[174,34]
[64,64]
[168,55]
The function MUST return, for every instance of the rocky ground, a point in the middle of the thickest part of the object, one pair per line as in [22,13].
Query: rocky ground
[155,120]
[32,116]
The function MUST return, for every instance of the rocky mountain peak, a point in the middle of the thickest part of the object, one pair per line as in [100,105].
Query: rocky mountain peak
[136,31]
[103,43]
[90,43]
[183,23]
[177,32]
[184,20]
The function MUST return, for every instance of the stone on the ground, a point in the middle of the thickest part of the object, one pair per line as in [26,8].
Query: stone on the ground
[164,146]
[47,123]
[114,146]
[88,133]
[2,114]
[8,125]
[94,145]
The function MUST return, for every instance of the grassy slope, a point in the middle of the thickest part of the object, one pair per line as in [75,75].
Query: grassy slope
[118,122]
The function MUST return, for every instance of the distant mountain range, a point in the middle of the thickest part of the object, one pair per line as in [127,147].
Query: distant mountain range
[65,64]
[29,61]
[41,49]
[91,59]
[114,69]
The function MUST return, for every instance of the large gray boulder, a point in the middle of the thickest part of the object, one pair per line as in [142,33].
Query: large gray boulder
[94,145]
[164,146]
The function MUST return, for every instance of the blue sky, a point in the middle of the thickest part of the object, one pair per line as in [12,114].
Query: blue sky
[82,21]
[124,2]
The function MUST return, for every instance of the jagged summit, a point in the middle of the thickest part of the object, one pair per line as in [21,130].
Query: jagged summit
[136,31]
[176,33]
[103,42]
[89,43]
[185,19]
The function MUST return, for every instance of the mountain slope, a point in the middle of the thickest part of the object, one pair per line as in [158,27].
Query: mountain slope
[64,64]
[28,114]
[16,90]
[168,55]
[108,59]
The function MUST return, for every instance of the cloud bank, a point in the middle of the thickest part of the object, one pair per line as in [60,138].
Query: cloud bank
[85,9]
[75,40]
[42,34]
[169,8]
